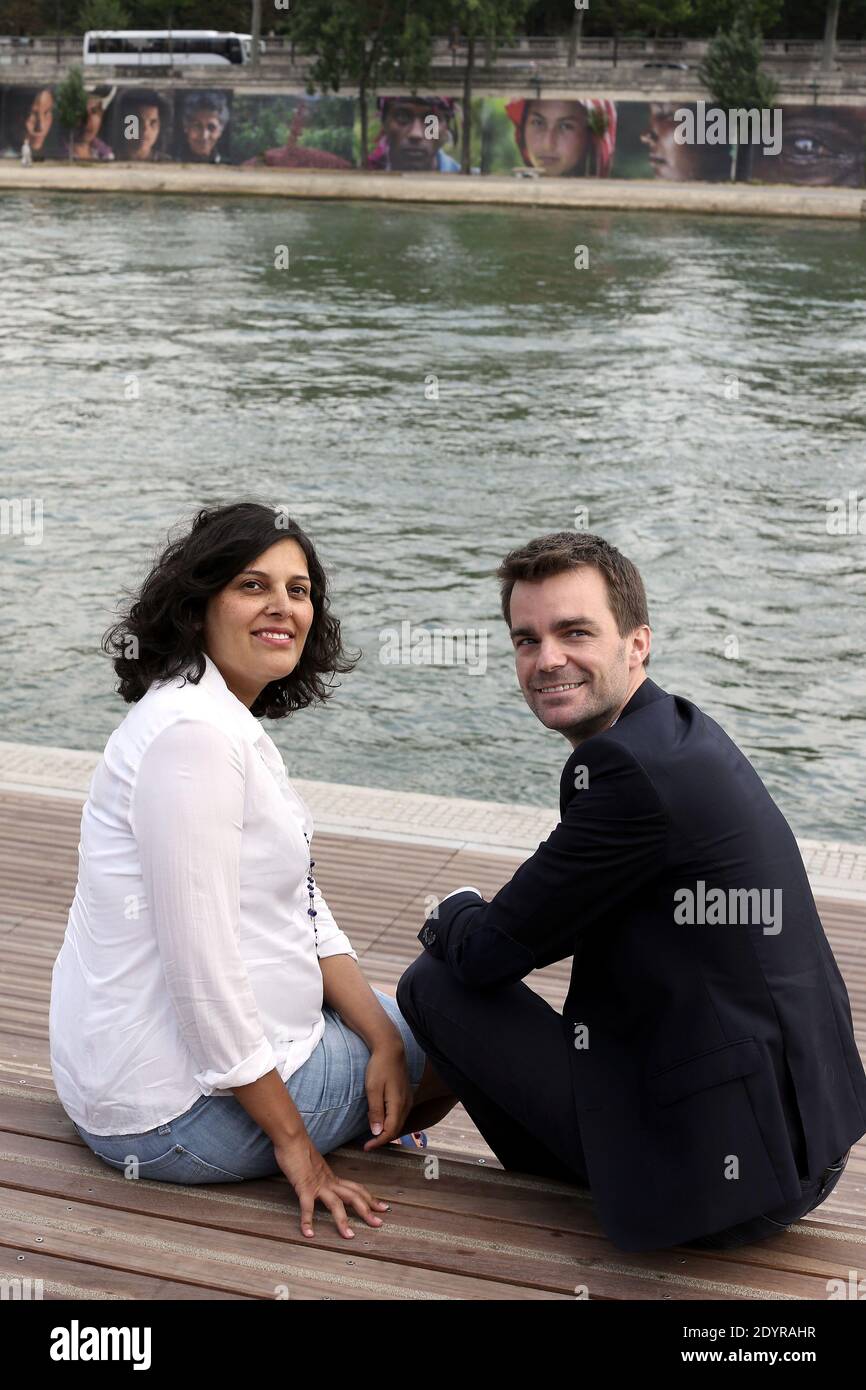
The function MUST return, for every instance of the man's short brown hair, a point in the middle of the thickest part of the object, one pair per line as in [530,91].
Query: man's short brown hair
[567,550]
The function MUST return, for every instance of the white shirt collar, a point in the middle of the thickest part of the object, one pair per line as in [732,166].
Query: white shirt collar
[213,682]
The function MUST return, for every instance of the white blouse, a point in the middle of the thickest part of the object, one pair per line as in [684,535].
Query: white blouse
[189,963]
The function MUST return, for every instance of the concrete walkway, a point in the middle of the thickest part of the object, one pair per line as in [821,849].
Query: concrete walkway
[837,869]
[632,195]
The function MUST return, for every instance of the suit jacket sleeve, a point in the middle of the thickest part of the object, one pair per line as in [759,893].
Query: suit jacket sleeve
[609,844]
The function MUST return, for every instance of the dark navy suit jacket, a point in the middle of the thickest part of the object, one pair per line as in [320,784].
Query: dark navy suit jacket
[714,1063]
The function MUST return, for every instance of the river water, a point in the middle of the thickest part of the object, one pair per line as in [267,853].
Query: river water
[425,388]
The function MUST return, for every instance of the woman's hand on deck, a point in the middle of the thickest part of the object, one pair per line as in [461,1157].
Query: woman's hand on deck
[389,1092]
[313,1179]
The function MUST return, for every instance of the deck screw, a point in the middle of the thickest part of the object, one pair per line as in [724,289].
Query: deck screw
[39,1239]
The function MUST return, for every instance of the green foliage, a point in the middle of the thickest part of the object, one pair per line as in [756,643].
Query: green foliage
[23,17]
[413,49]
[636,17]
[264,123]
[798,19]
[363,42]
[103,14]
[732,69]
[492,21]
[757,16]
[334,139]
[258,130]
[177,14]
[498,152]
[71,101]
[793,19]
[366,43]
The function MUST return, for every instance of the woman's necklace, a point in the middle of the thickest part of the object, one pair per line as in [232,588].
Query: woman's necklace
[311,889]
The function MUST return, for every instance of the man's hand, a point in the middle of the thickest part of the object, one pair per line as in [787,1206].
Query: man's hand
[389,1092]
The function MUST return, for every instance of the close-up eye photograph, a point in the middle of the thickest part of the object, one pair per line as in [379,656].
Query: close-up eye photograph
[432,697]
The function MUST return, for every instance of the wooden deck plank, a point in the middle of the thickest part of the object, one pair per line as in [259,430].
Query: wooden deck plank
[473,1232]
[226,1260]
[428,1227]
[64,1279]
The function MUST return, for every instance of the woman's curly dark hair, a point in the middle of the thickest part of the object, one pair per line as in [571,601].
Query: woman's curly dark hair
[160,637]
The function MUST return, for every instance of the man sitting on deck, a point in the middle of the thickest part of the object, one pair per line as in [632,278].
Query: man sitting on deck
[703,1079]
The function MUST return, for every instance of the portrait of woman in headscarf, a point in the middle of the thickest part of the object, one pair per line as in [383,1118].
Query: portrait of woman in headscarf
[565,139]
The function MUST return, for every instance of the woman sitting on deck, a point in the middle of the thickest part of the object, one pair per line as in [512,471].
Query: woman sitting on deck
[209,1021]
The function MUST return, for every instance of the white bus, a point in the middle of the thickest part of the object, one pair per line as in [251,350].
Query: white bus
[166,47]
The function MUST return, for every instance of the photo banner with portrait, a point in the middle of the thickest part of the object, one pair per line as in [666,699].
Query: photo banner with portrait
[296,131]
[595,136]
[412,134]
[580,136]
[29,113]
[821,146]
[143,128]
[813,145]
[203,125]
[648,147]
[570,138]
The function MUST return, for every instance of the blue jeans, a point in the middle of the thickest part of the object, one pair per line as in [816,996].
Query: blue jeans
[217,1141]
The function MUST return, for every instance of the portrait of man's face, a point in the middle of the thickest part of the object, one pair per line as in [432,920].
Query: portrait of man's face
[203,129]
[39,118]
[416,132]
[556,135]
[820,147]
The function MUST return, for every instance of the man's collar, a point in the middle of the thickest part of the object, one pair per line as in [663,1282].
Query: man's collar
[214,683]
[645,694]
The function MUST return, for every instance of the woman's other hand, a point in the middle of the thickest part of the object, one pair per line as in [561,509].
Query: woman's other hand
[389,1093]
[313,1179]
